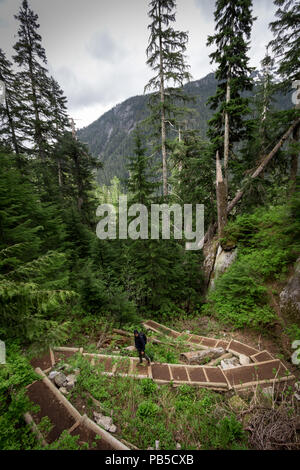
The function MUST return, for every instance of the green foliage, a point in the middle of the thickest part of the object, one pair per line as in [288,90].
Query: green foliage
[293,331]
[148,386]
[266,247]
[33,276]
[193,173]
[229,430]
[161,353]
[147,409]
[66,442]
[286,43]
[14,376]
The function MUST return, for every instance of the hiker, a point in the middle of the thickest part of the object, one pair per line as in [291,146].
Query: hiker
[140,343]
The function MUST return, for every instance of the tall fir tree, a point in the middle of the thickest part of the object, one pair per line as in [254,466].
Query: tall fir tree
[34,276]
[58,117]
[286,43]
[77,175]
[31,58]
[233,25]
[58,110]
[166,58]
[286,47]
[10,118]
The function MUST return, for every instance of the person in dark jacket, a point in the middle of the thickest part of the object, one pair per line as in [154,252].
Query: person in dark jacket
[140,346]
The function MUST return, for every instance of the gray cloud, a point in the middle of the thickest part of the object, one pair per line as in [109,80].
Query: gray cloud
[103,47]
[96,49]
[206,6]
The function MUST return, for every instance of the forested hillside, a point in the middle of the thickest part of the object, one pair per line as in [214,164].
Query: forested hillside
[81,278]
[110,138]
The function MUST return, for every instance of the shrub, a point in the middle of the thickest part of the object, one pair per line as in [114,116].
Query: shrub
[147,409]
[14,376]
[265,248]
[148,387]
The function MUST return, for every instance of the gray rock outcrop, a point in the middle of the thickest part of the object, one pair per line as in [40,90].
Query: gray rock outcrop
[290,296]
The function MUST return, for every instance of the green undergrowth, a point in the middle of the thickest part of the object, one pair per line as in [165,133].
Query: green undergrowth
[14,376]
[145,412]
[268,242]
[15,434]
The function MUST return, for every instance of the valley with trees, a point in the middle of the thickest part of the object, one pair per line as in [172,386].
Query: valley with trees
[70,301]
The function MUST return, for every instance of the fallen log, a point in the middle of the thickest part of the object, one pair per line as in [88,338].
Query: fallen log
[122,332]
[199,357]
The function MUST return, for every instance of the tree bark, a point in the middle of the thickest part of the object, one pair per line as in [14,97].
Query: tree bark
[221,198]
[163,117]
[59,173]
[294,159]
[226,135]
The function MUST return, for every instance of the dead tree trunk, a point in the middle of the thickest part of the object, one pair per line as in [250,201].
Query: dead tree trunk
[264,163]
[254,175]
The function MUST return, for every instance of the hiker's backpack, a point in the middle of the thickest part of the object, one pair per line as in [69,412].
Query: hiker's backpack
[144,337]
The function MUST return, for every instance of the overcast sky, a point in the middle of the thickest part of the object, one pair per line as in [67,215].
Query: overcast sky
[96,48]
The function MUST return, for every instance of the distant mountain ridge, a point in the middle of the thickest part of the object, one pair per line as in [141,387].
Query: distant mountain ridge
[110,136]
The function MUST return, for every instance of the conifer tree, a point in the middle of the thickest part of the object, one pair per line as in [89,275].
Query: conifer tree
[10,110]
[77,167]
[159,273]
[140,186]
[286,44]
[58,118]
[193,175]
[165,54]
[286,47]
[34,283]
[58,109]
[31,58]
[233,25]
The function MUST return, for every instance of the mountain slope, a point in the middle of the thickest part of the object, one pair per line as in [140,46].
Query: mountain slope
[110,136]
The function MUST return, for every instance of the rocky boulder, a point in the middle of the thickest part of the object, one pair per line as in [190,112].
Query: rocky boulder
[104,421]
[53,374]
[224,259]
[69,384]
[244,360]
[230,363]
[60,379]
[290,296]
